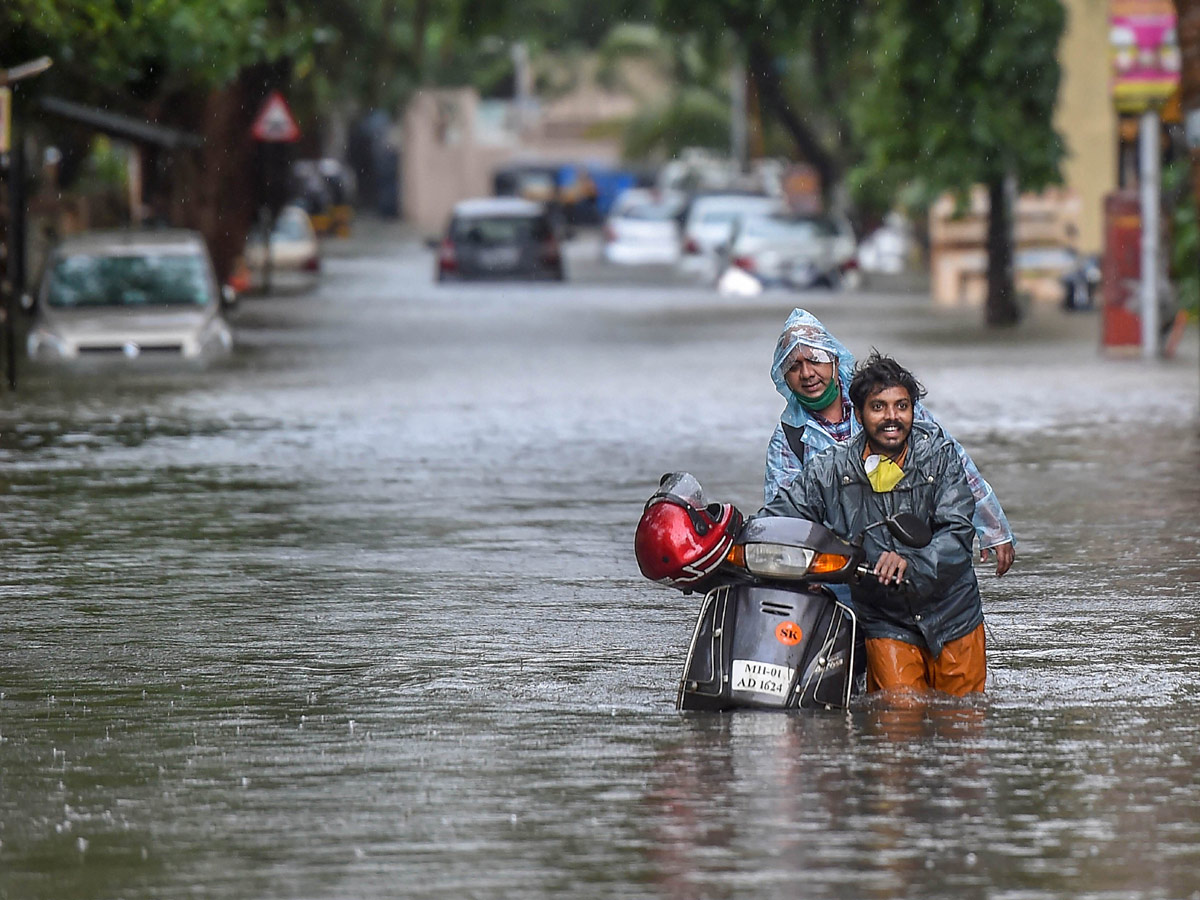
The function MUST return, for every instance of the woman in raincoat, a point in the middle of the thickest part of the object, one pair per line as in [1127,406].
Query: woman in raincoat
[812,370]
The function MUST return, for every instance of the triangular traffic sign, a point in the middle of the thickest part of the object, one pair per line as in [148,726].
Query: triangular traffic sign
[274,123]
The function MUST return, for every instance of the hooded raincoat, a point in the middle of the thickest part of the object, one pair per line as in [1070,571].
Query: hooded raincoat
[943,602]
[784,463]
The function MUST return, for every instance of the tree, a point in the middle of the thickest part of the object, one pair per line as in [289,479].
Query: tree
[1189,45]
[197,65]
[206,66]
[798,55]
[965,95]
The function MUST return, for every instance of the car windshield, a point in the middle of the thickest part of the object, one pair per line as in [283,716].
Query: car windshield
[291,226]
[172,280]
[785,228]
[651,212]
[500,230]
[725,213]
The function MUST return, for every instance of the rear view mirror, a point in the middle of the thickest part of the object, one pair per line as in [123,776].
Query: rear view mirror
[909,529]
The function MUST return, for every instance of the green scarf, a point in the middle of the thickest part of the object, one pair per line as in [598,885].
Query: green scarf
[816,404]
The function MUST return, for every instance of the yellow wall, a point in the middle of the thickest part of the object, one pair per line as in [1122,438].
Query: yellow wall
[1085,116]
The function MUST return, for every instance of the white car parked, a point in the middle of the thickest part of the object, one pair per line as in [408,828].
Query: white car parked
[792,250]
[708,224]
[130,294]
[295,253]
[643,228]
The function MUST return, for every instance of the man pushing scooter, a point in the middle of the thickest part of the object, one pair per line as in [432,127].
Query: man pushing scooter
[921,612]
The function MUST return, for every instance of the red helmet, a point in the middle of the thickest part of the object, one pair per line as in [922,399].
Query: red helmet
[680,539]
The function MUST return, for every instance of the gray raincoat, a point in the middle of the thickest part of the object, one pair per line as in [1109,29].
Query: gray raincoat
[943,603]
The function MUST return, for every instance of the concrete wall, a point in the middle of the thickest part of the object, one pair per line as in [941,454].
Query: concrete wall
[441,157]
[1086,117]
[452,145]
[1043,224]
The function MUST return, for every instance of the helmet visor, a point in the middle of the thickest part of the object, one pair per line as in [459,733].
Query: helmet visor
[683,487]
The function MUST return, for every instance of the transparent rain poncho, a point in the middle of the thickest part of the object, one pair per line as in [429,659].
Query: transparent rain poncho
[803,330]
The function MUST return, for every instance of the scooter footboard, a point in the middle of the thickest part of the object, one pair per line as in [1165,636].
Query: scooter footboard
[771,647]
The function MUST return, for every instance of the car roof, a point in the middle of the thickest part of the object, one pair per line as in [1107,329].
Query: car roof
[497,206]
[130,242]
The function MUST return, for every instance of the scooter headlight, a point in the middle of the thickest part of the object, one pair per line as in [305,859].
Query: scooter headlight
[778,560]
[785,560]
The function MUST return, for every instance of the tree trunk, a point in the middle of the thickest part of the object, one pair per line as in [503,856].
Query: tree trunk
[1001,308]
[770,92]
[218,190]
[1188,12]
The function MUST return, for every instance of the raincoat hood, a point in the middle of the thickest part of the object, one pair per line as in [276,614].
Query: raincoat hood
[803,328]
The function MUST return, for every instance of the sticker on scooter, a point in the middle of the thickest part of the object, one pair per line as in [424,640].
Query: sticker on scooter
[761,677]
[788,633]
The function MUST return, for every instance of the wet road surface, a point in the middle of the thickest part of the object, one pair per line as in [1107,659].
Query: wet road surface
[355,613]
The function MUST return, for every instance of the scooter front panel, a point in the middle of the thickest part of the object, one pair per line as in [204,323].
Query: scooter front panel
[768,647]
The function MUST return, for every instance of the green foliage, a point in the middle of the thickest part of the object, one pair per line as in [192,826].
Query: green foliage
[960,94]
[173,43]
[692,118]
[106,167]
[1185,236]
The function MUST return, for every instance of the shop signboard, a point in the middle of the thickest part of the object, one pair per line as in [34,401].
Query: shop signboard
[1144,46]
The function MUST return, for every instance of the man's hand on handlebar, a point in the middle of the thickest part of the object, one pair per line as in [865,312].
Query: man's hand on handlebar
[890,567]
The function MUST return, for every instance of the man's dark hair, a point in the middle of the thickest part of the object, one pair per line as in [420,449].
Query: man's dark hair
[878,373]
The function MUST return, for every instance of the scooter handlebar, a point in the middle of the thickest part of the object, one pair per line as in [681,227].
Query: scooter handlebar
[869,570]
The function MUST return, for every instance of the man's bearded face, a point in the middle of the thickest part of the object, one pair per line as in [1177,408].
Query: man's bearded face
[887,418]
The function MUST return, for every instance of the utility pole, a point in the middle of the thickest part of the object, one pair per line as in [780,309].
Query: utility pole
[738,136]
[12,218]
[1149,174]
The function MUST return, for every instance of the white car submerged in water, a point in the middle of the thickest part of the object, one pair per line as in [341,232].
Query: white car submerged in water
[130,294]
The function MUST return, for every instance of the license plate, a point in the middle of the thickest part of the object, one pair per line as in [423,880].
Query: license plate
[500,257]
[803,273]
[761,677]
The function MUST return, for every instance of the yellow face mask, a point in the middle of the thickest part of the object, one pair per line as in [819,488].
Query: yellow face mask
[882,473]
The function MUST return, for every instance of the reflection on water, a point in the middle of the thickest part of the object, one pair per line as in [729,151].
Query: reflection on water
[356,615]
[944,800]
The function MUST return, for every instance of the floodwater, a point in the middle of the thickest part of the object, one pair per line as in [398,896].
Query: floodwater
[355,613]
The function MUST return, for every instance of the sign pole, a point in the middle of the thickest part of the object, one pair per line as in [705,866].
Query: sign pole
[15,273]
[1149,151]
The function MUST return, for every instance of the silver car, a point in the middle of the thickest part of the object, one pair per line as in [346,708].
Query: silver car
[708,222]
[130,294]
[793,250]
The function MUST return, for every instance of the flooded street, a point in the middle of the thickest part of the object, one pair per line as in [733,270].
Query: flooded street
[355,614]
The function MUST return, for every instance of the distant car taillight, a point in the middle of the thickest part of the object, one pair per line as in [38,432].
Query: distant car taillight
[447,261]
[312,264]
[690,246]
[550,252]
[849,265]
[744,262]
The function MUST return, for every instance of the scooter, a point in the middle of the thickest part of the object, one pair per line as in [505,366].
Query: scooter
[770,633]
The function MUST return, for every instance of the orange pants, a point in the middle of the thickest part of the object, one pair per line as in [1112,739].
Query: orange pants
[960,669]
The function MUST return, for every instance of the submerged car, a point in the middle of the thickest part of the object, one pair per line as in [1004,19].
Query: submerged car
[500,237]
[793,250]
[130,294]
[295,262]
[643,228]
[709,221]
